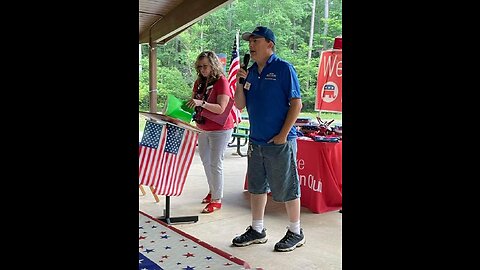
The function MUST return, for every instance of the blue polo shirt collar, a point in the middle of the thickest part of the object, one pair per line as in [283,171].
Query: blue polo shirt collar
[270,59]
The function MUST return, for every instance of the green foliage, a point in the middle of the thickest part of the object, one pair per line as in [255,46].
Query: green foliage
[289,19]
[170,81]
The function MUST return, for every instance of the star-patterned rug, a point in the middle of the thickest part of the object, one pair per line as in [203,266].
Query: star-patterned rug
[164,247]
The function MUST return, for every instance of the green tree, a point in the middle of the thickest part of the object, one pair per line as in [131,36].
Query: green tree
[290,20]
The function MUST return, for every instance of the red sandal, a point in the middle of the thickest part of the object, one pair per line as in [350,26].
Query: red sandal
[207,198]
[212,207]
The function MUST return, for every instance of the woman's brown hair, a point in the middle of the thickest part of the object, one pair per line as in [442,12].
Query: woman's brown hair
[217,67]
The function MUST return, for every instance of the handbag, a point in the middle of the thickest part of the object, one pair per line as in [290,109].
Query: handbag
[218,118]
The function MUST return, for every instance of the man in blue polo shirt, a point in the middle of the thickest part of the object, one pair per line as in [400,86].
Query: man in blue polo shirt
[271,93]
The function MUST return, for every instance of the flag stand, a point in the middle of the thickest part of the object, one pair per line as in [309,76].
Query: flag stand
[161,118]
[169,220]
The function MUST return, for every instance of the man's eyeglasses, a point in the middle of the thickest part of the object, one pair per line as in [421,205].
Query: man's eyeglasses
[202,66]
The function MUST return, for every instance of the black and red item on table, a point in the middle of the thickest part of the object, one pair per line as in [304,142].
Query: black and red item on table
[321,132]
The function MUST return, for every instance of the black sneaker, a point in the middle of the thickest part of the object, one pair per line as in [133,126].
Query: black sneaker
[250,237]
[290,241]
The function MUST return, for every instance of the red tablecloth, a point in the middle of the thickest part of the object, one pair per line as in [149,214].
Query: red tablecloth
[320,171]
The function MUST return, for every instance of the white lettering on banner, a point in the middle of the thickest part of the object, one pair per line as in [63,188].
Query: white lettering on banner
[300,164]
[329,66]
[310,182]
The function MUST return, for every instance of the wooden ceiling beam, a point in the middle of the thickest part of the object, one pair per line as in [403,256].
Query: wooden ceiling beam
[180,18]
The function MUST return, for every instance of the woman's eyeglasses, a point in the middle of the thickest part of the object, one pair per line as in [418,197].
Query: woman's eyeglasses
[202,66]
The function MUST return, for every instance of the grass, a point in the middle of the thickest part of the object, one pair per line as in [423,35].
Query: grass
[325,116]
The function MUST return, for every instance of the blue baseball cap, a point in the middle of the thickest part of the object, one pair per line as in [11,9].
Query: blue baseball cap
[261,31]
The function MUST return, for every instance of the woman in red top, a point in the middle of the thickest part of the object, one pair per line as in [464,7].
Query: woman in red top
[211,92]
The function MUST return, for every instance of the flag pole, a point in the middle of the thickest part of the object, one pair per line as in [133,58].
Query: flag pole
[232,75]
[237,40]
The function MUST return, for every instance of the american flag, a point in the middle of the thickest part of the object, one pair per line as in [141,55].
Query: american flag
[232,77]
[165,154]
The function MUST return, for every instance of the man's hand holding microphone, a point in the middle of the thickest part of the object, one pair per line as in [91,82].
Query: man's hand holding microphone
[241,75]
[242,72]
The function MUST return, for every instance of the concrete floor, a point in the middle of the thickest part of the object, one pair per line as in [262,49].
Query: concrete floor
[323,232]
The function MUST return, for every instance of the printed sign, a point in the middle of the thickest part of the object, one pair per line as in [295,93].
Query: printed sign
[329,82]
[223,59]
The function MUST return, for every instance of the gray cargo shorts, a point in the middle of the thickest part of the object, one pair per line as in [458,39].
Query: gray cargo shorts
[273,168]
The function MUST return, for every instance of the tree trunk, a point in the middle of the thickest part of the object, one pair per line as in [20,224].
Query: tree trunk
[229,17]
[312,26]
[140,58]
[201,35]
[325,30]
[294,41]
[310,42]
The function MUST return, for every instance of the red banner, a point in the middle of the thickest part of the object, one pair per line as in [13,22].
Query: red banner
[320,171]
[329,82]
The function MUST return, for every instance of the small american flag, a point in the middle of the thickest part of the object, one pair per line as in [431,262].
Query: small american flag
[165,154]
[232,77]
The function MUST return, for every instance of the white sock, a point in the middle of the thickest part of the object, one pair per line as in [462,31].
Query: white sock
[257,225]
[294,227]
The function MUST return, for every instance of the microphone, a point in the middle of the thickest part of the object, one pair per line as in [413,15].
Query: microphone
[246,59]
